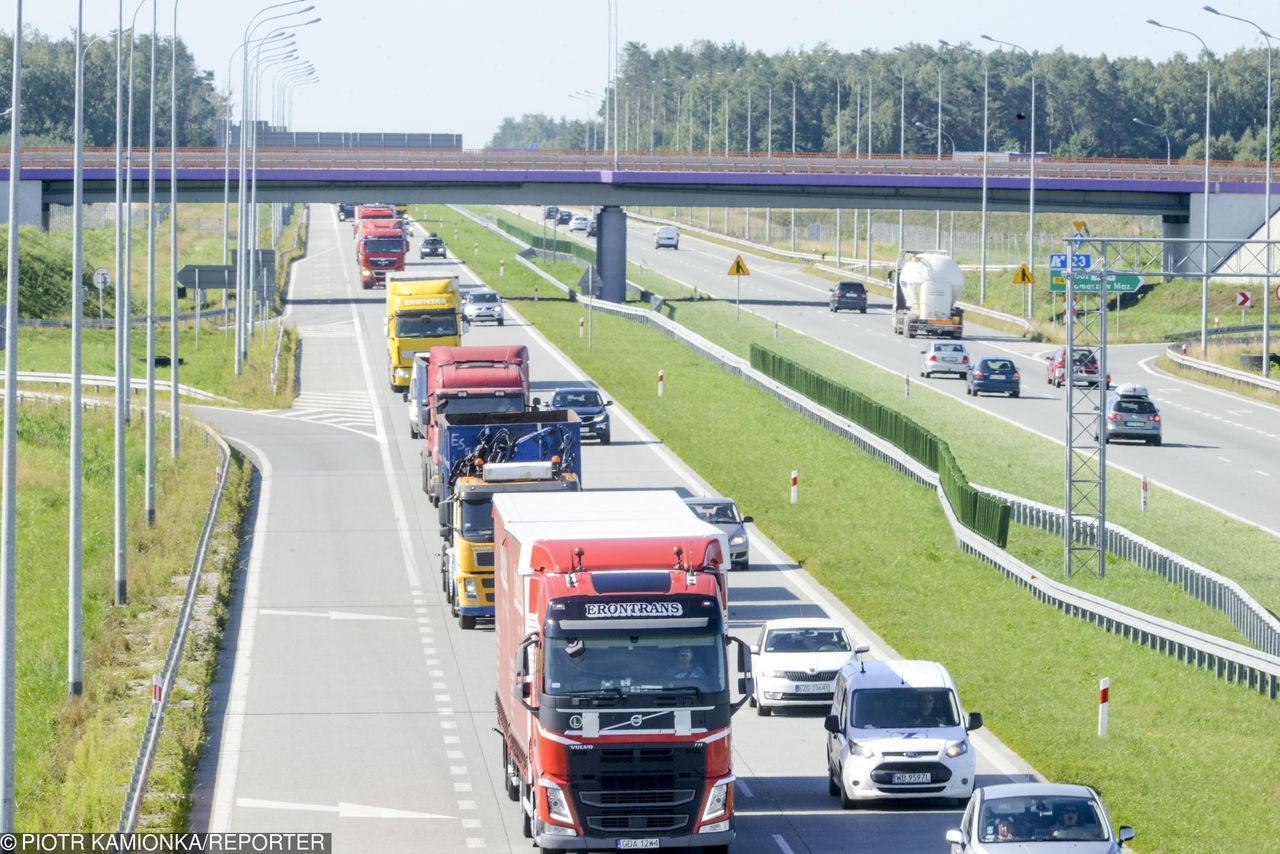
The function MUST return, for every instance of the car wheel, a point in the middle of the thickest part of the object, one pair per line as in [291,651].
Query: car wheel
[500,322]
[968,389]
[1156,440]
[752,701]
[1015,394]
[604,438]
[763,711]
[833,785]
[846,802]
[833,309]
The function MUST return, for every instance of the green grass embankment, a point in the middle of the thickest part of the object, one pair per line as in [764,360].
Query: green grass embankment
[884,548]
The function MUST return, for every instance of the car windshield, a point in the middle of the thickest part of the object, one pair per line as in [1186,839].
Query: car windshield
[432,241]
[1131,405]
[426,324]
[999,365]
[570,399]
[635,664]
[807,640]
[903,708]
[1037,817]
[717,513]
[477,519]
[383,244]
[485,298]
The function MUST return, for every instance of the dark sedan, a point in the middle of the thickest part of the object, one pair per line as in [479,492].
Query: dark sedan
[849,296]
[994,375]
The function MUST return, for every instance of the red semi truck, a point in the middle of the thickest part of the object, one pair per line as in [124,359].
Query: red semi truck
[364,212]
[491,379]
[380,249]
[613,674]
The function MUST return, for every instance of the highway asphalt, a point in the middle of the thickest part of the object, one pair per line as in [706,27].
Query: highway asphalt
[1219,448]
[349,701]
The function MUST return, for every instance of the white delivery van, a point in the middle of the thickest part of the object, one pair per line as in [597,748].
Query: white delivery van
[897,730]
[666,235]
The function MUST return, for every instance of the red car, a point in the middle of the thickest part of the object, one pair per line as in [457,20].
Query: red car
[1084,369]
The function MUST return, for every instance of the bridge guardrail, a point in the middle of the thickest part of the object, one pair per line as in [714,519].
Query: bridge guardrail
[1220,371]
[1257,669]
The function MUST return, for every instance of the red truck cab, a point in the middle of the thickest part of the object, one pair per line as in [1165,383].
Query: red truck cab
[380,249]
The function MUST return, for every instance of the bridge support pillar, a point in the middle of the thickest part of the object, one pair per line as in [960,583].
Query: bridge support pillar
[611,253]
[31,207]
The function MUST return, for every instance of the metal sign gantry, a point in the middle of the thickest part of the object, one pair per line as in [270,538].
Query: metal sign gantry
[1085,311]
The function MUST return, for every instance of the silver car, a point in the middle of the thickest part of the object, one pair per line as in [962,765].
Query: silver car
[945,357]
[1132,415]
[724,514]
[482,305]
[1036,817]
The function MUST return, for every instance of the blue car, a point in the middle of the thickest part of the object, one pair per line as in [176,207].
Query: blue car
[590,408]
[996,375]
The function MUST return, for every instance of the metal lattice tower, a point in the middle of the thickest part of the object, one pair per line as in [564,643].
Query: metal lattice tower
[1242,261]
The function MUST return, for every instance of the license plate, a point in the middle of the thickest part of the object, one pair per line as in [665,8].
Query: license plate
[813,688]
[917,777]
[1135,424]
[651,842]
[997,376]
[949,359]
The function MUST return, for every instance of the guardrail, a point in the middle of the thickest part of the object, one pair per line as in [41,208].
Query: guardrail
[660,161]
[1255,622]
[155,716]
[1221,371]
[1234,662]
[110,381]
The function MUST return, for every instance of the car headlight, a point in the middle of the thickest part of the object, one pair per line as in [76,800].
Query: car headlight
[497,309]
[718,800]
[957,748]
[737,539]
[557,803]
[863,750]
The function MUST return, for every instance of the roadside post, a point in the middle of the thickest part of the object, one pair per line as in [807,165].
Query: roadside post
[1144,493]
[1243,299]
[795,486]
[502,268]
[906,386]
[582,325]
[661,379]
[101,278]
[1104,697]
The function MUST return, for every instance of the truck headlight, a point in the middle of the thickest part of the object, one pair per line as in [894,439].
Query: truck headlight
[469,586]
[737,539]
[557,803]
[957,748]
[718,800]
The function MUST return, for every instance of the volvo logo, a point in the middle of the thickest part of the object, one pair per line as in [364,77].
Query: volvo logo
[636,720]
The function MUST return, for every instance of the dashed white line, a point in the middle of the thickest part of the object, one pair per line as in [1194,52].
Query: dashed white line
[1224,459]
[1261,472]
[782,844]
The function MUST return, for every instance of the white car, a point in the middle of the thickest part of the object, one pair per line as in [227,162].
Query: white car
[482,305]
[945,357]
[897,730]
[578,223]
[796,661]
[666,235]
[1037,817]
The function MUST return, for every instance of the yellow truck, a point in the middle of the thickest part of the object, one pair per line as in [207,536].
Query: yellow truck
[422,312]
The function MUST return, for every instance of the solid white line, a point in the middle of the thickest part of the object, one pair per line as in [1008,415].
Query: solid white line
[380,436]
[1261,472]
[233,724]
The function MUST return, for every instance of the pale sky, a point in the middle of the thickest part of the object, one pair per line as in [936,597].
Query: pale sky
[461,67]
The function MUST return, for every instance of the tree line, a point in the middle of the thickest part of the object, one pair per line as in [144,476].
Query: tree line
[683,98]
[48,91]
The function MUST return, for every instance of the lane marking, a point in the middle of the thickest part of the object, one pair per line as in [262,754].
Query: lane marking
[328,615]
[341,809]
[782,844]
[1146,365]
[1224,459]
[233,727]
[1261,472]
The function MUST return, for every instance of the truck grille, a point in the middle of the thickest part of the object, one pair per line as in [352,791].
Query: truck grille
[382,262]
[638,789]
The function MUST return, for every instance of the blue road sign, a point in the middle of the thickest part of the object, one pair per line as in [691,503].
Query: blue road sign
[1079,261]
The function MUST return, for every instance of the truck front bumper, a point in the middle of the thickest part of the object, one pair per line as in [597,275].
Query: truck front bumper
[607,843]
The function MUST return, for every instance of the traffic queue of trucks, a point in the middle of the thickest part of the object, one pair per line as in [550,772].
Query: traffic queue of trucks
[610,737]
[422,312]
[381,244]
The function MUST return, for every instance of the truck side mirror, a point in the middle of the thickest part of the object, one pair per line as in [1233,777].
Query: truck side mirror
[523,688]
[746,683]
[831,723]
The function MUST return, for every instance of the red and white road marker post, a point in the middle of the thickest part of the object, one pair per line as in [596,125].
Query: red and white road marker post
[157,689]
[1104,697]
[795,486]
[661,378]
[1144,493]
[582,326]
[906,385]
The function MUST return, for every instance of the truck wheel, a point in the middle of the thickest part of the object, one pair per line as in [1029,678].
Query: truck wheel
[864,311]
[466,622]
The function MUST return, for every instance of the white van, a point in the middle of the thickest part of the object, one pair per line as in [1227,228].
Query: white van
[666,235]
[897,730]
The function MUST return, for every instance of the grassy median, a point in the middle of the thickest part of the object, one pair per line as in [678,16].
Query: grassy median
[1032,671]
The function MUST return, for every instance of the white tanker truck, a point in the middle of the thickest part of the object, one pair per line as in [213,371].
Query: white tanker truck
[926,285]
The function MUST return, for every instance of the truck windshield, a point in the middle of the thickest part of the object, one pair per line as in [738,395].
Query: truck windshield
[383,244]
[426,324]
[485,404]
[477,519]
[635,664]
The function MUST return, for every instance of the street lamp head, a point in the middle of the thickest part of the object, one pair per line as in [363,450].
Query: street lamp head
[921,125]
[945,43]
[987,37]
[1153,22]
[1211,10]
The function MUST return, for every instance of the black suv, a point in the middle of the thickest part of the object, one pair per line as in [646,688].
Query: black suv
[432,246]
[849,295]
[564,217]
[550,212]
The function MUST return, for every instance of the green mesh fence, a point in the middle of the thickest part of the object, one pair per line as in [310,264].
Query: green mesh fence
[984,514]
[550,244]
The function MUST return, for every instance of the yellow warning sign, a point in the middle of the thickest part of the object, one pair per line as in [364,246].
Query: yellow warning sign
[1023,276]
[738,267]
[1081,226]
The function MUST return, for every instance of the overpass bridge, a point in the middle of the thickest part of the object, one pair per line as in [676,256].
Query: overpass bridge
[916,182]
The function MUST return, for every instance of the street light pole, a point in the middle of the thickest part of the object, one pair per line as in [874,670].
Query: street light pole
[1031,186]
[1268,294]
[793,151]
[173,238]
[151,287]
[1204,251]
[75,530]
[982,250]
[937,243]
[1168,148]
